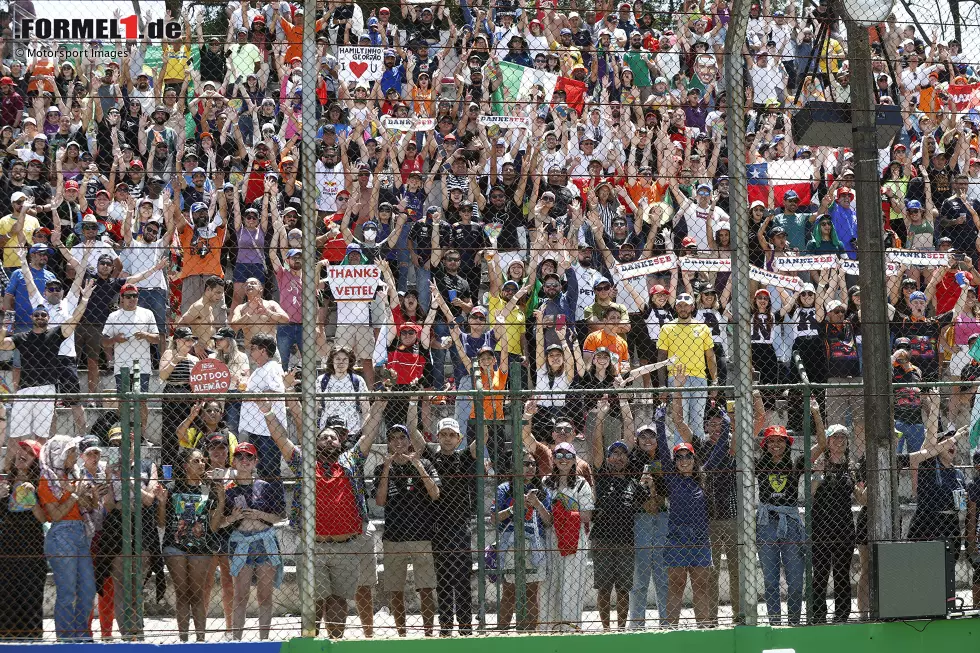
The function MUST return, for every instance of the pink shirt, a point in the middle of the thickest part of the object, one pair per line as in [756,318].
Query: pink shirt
[290,294]
[964,327]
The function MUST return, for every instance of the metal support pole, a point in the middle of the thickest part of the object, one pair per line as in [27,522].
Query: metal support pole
[517,490]
[807,495]
[310,257]
[125,478]
[740,374]
[876,357]
[136,414]
[481,504]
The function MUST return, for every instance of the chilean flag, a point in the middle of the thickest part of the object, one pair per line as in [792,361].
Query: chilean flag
[784,176]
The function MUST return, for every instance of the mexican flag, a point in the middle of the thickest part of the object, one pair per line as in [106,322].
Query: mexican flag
[520,84]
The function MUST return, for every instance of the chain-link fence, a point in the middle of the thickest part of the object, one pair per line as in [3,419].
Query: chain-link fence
[428,267]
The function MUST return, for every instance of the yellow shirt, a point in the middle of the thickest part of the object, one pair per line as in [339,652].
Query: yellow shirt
[514,325]
[10,257]
[176,69]
[836,53]
[687,342]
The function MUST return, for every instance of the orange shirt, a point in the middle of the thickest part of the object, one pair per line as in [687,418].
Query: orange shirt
[194,264]
[614,343]
[422,102]
[653,192]
[294,39]
[42,67]
[46,496]
[493,403]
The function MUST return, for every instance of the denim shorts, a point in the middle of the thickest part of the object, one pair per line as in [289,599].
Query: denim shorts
[258,555]
[245,271]
[172,551]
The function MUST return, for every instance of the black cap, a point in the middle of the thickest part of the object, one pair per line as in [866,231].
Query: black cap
[225,332]
[217,438]
[183,332]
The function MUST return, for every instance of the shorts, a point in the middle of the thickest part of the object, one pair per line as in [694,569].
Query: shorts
[612,563]
[88,341]
[169,551]
[245,271]
[846,397]
[67,383]
[397,555]
[32,417]
[258,554]
[686,548]
[359,337]
[341,567]
[639,340]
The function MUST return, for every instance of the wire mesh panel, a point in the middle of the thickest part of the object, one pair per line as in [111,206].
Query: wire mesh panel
[363,320]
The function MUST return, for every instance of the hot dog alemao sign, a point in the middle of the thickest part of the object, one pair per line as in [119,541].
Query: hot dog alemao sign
[353,283]
[210,375]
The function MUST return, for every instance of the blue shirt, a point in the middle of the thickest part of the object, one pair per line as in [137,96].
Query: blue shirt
[845,224]
[22,302]
[393,78]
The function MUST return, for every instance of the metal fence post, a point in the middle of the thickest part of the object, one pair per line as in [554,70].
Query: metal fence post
[137,490]
[125,477]
[481,506]
[807,494]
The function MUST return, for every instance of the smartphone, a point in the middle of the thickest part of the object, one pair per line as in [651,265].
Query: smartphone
[168,472]
[648,469]
[560,321]
[452,295]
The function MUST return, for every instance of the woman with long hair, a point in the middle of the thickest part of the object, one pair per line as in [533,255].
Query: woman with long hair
[536,519]
[339,378]
[190,514]
[764,360]
[175,371]
[572,503]
[555,367]
[219,450]
[22,541]
[600,374]
[252,506]
[66,544]
[204,420]
[226,350]
[824,238]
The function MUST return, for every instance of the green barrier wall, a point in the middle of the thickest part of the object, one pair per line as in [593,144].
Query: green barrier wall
[962,635]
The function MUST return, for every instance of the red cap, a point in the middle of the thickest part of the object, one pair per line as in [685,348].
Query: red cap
[683,446]
[688,241]
[384,10]
[410,326]
[102,191]
[762,291]
[136,164]
[345,193]
[206,135]
[44,231]
[258,19]
[6,81]
[449,137]
[899,146]
[128,288]
[295,59]
[659,290]
[974,160]
[246,448]
[844,190]
[71,184]
[776,431]
[31,445]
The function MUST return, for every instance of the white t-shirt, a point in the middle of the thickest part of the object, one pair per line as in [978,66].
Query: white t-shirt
[346,409]
[697,222]
[329,182]
[128,323]
[766,82]
[267,378]
[92,261]
[140,256]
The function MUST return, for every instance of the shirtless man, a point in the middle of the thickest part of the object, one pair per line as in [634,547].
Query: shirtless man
[258,315]
[206,315]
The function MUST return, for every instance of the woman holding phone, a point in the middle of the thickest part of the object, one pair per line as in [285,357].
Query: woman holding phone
[252,506]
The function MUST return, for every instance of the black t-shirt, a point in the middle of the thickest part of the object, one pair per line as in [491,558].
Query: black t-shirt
[510,218]
[457,494]
[924,341]
[832,501]
[468,238]
[963,235]
[617,498]
[103,299]
[39,356]
[188,517]
[446,282]
[779,483]
[420,233]
[841,346]
[908,401]
[409,512]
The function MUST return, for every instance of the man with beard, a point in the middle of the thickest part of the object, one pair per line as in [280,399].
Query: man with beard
[690,344]
[160,116]
[290,280]
[12,185]
[143,252]
[206,314]
[39,375]
[580,280]
[141,93]
[201,241]
[505,211]
[258,316]
[344,562]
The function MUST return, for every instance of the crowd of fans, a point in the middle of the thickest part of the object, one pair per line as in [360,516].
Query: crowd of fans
[157,216]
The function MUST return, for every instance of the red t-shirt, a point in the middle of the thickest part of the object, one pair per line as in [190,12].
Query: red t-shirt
[947,292]
[336,505]
[46,497]
[335,249]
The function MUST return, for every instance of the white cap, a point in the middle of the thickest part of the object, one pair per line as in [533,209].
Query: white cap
[448,424]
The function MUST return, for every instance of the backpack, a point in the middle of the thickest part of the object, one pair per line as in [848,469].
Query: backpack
[355,383]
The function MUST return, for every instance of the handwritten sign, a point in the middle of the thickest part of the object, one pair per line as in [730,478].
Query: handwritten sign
[920,259]
[360,64]
[506,122]
[773,279]
[801,263]
[353,283]
[691,263]
[408,124]
[210,376]
[647,266]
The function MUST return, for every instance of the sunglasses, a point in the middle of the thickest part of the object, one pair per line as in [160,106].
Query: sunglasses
[563,429]
[453,260]
[131,295]
[530,463]
[243,456]
[604,288]
[564,456]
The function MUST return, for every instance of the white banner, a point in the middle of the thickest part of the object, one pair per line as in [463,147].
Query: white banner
[355,283]
[408,124]
[773,279]
[848,266]
[647,266]
[801,263]
[360,64]
[691,263]
[920,259]
[506,122]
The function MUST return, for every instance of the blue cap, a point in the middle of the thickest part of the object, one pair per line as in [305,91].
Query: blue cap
[913,205]
[372,21]
[511,283]
[599,281]
[791,195]
[398,427]
[778,139]
[370,224]
[389,53]
[42,248]
[199,170]
[39,309]
[293,252]
[618,444]
[228,186]
[918,294]
[432,210]
[198,206]
[353,247]
[565,30]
